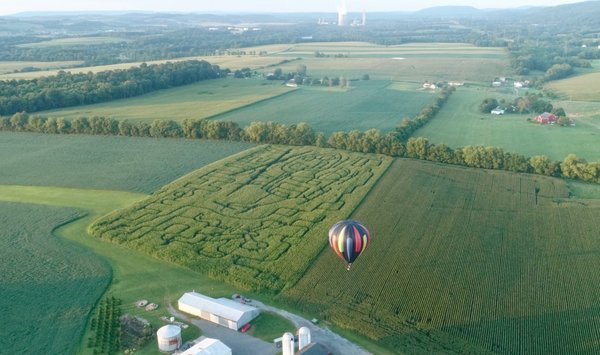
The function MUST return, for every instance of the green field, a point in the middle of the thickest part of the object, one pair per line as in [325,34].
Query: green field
[368,104]
[255,220]
[10,67]
[73,41]
[196,101]
[48,285]
[464,261]
[579,88]
[118,163]
[409,62]
[459,123]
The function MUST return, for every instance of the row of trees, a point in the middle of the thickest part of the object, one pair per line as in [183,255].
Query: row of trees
[370,141]
[66,89]
[409,126]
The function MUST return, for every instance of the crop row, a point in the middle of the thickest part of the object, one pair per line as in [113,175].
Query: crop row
[466,261]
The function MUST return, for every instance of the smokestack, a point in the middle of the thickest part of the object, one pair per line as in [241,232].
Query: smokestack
[342,13]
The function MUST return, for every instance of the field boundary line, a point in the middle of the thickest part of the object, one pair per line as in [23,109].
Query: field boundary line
[248,105]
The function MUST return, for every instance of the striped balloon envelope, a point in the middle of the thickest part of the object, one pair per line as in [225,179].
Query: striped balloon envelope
[348,239]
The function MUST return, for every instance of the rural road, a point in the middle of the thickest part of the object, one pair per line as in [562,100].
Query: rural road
[243,344]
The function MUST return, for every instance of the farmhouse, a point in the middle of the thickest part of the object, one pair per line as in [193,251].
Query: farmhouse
[546,118]
[291,83]
[208,346]
[222,311]
[498,111]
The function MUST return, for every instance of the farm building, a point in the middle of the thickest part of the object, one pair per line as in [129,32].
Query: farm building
[498,111]
[222,311]
[208,346]
[546,118]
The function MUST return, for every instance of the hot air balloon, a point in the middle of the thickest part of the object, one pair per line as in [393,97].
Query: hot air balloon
[349,239]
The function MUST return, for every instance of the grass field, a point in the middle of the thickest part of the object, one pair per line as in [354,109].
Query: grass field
[74,41]
[48,285]
[255,220]
[578,88]
[368,104]
[10,67]
[464,261]
[459,123]
[410,62]
[199,100]
[121,163]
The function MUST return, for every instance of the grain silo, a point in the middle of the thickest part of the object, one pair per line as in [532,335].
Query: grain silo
[287,344]
[169,338]
[304,337]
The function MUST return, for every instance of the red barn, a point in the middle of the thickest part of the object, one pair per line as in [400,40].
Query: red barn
[546,118]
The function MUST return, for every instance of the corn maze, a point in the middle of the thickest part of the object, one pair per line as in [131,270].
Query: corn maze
[256,220]
[465,261]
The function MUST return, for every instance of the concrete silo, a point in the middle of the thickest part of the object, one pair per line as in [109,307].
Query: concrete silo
[169,338]
[304,335]
[287,344]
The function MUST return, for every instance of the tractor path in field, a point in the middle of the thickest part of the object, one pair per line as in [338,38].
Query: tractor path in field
[332,341]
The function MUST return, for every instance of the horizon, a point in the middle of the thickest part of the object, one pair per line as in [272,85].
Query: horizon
[264,6]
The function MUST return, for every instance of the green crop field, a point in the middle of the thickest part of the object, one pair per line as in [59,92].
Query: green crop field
[196,101]
[579,88]
[122,163]
[459,123]
[368,104]
[9,67]
[465,261]
[74,41]
[255,220]
[48,285]
[410,62]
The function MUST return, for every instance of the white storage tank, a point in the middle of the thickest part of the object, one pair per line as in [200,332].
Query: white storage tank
[304,335]
[169,338]
[287,344]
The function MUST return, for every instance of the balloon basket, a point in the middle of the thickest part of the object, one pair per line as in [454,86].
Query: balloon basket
[348,267]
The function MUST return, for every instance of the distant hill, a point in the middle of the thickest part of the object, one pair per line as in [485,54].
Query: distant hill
[449,11]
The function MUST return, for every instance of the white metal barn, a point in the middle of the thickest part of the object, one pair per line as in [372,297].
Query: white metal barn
[222,311]
[208,346]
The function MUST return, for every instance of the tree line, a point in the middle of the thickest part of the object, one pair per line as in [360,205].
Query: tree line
[370,141]
[66,89]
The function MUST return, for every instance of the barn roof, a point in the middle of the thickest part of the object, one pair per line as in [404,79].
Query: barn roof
[222,307]
[208,346]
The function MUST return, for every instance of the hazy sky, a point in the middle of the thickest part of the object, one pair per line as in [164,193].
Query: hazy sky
[14,6]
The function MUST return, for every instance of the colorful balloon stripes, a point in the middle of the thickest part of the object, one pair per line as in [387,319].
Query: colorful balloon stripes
[349,239]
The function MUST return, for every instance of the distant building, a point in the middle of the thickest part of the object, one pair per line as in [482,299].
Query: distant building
[496,84]
[498,111]
[546,118]
[431,86]
[222,311]
[456,83]
[208,346]
[291,83]
[518,84]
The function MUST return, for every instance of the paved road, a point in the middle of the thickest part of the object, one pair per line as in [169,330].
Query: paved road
[240,343]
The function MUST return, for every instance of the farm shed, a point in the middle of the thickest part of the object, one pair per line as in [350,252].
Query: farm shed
[208,346]
[221,311]
[546,118]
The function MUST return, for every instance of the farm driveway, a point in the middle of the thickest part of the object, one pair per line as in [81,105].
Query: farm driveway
[335,343]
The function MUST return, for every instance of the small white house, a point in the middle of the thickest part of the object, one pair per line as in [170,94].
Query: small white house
[496,84]
[222,311]
[208,346]
[518,84]
[498,111]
